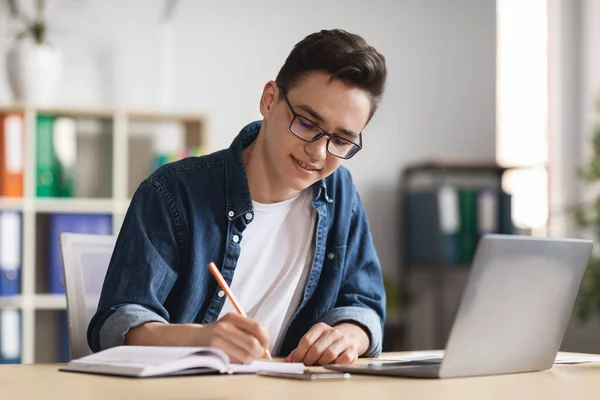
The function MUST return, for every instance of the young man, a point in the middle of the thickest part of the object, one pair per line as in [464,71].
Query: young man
[276,213]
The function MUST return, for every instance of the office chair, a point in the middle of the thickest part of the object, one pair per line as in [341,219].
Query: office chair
[85,262]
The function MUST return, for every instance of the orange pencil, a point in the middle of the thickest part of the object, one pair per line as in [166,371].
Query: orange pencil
[221,281]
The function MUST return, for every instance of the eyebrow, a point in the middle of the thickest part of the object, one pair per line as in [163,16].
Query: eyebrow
[320,119]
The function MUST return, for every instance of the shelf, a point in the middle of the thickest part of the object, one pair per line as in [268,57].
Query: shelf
[105,112]
[38,302]
[50,302]
[74,205]
[161,116]
[456,165]
[11,203]
[71,111]
[11,302]
[111,163]
[11,108]
[77,112]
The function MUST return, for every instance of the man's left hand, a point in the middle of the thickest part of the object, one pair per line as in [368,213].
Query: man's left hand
[324,344]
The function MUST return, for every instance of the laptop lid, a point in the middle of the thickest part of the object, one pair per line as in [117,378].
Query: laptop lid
[516,306]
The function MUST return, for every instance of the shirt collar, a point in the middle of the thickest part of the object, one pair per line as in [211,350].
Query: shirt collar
[321,190]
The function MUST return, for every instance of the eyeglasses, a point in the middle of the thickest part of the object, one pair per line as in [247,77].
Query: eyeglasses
[307,130]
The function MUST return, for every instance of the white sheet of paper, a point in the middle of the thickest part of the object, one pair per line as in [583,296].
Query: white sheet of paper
[268,366]
[424,355]
[576,359]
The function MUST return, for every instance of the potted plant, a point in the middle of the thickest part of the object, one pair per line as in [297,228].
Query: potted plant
[34,65]
[588,217]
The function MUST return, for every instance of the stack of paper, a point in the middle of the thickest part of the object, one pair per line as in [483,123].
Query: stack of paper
[427,355]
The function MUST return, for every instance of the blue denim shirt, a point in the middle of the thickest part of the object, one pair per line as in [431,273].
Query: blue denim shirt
[185,215]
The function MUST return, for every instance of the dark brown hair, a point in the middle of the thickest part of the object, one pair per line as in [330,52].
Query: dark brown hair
[346,56]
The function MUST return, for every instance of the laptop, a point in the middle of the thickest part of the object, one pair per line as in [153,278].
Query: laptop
[513,313]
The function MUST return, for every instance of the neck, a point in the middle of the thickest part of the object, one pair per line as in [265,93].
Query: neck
[265,186]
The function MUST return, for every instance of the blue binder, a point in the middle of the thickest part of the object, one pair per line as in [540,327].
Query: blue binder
[100,224]
[10,336]
[63,338]
[506,225]
[10,253]
[423,227]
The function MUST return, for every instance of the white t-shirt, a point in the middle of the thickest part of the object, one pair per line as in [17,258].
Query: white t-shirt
[276,255]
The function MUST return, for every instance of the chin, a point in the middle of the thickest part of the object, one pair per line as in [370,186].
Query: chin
[299,184]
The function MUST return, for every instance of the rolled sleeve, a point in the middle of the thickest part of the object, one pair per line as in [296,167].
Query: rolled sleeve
[366,318]
[143,268]
[361,298]
[124,319]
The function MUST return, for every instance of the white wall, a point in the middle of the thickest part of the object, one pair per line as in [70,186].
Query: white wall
[440,98]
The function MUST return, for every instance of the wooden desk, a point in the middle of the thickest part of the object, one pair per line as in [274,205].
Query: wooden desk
[44,381]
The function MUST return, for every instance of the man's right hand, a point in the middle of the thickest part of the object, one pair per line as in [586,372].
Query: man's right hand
[243,339]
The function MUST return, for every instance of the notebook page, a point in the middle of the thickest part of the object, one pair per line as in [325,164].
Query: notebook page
[144,356]
[193,361]
[268,366]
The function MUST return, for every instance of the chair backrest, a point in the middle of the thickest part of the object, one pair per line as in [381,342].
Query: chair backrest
[85,262]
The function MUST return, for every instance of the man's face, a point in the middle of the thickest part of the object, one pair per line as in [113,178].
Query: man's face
[337,108]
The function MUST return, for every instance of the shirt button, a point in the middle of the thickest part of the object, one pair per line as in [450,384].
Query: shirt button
[249,216]
[331,256]
[231,214]
[221,293]
[235,238]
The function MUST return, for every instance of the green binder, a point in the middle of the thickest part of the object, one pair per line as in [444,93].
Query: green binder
[467,237]
[65,154]
[46,164]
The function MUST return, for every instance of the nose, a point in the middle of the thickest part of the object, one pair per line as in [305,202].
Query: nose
[317,150]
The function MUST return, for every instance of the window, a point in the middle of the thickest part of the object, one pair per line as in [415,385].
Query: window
[522,109]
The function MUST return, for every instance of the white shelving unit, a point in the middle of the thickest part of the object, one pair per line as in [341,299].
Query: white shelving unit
[32,300]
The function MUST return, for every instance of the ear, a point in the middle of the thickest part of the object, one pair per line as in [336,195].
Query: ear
[268,98]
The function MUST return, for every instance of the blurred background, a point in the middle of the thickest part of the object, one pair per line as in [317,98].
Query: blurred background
[488,124]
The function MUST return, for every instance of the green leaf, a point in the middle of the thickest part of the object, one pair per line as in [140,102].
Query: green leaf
[588,300]
[392,292]
[580,217]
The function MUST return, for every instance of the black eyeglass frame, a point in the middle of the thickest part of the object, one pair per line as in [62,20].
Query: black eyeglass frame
[318,136]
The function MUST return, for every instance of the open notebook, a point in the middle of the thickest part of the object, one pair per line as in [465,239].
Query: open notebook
[147,361]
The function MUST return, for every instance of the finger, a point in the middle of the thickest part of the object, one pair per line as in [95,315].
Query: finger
[321,345]
[331,353]
[348,356]
[252,327]
[237,355]
[307,341]
[290,357]
[230,332]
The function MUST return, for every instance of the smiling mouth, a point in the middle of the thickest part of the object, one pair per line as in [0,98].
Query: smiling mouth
[305,166]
